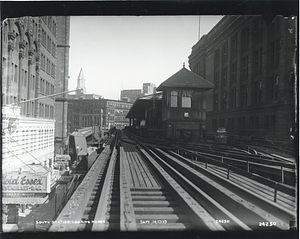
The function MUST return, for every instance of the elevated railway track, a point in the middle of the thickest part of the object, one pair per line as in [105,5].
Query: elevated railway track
[135,186]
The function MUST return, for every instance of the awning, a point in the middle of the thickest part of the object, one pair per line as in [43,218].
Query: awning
[25,200]
[138,108]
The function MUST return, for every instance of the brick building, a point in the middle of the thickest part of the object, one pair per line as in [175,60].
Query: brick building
[61,83]
[251,63]
[103,112]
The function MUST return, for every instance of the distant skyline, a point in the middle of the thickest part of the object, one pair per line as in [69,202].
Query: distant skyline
[123,52]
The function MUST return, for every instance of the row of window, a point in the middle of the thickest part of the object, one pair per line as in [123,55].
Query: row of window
[120,118]
[47,65]
[253,124]
[186,99]
[46,111]
[46,88]
[118,105]
[117,112]
[244,69]
[50,22]
[31,140]
[28,108]
[48,43]
[273,59]
[271,90]
[24,80]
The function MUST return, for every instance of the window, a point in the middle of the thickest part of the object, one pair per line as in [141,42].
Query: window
[224,100]
[273,88]
[274,53]
[32,108]
[233,72]
[224,77]
[234,47]
[186,99]
[16,73]
[258,61]
[174,98]
[233,98]
[25,78]
[257,32]
[244,74]
[245,39]
[33,82]
[257,92]
[217,58]
[217,75]
[225,53]
[5,32]
[216,102]
[244,95]
[43,38]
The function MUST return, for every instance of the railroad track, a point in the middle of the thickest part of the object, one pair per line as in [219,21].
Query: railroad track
[132,187]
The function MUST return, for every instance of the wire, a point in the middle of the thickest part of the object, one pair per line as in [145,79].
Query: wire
[31,155]
[22,161]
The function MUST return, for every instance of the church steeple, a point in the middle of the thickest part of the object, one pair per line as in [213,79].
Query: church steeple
[81,82]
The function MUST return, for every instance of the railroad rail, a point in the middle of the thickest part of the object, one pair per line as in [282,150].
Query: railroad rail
[136,187]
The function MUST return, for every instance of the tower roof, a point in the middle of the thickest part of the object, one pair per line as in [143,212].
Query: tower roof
[186,79]
[81,81]
[81,74]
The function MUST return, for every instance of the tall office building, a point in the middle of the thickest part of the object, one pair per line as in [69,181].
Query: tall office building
[149,89]
[131,95]
[30,57]
[251,62]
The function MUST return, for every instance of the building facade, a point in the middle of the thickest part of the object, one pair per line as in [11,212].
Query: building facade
[130,95]
[61,84]
[29,58]
[29,77]
[251,62]
[149,89]
[103,112]
[115,113]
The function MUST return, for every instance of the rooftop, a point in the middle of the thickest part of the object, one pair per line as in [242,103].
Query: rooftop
[186,79]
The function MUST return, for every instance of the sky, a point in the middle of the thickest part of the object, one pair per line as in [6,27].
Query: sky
[123,52]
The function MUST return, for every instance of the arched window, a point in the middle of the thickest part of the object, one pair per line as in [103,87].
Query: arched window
[174,99]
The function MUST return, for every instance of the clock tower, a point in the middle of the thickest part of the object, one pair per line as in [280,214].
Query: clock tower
[81,83]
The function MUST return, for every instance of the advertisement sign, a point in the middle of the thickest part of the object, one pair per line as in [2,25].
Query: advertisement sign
[26,182]
[62,158]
